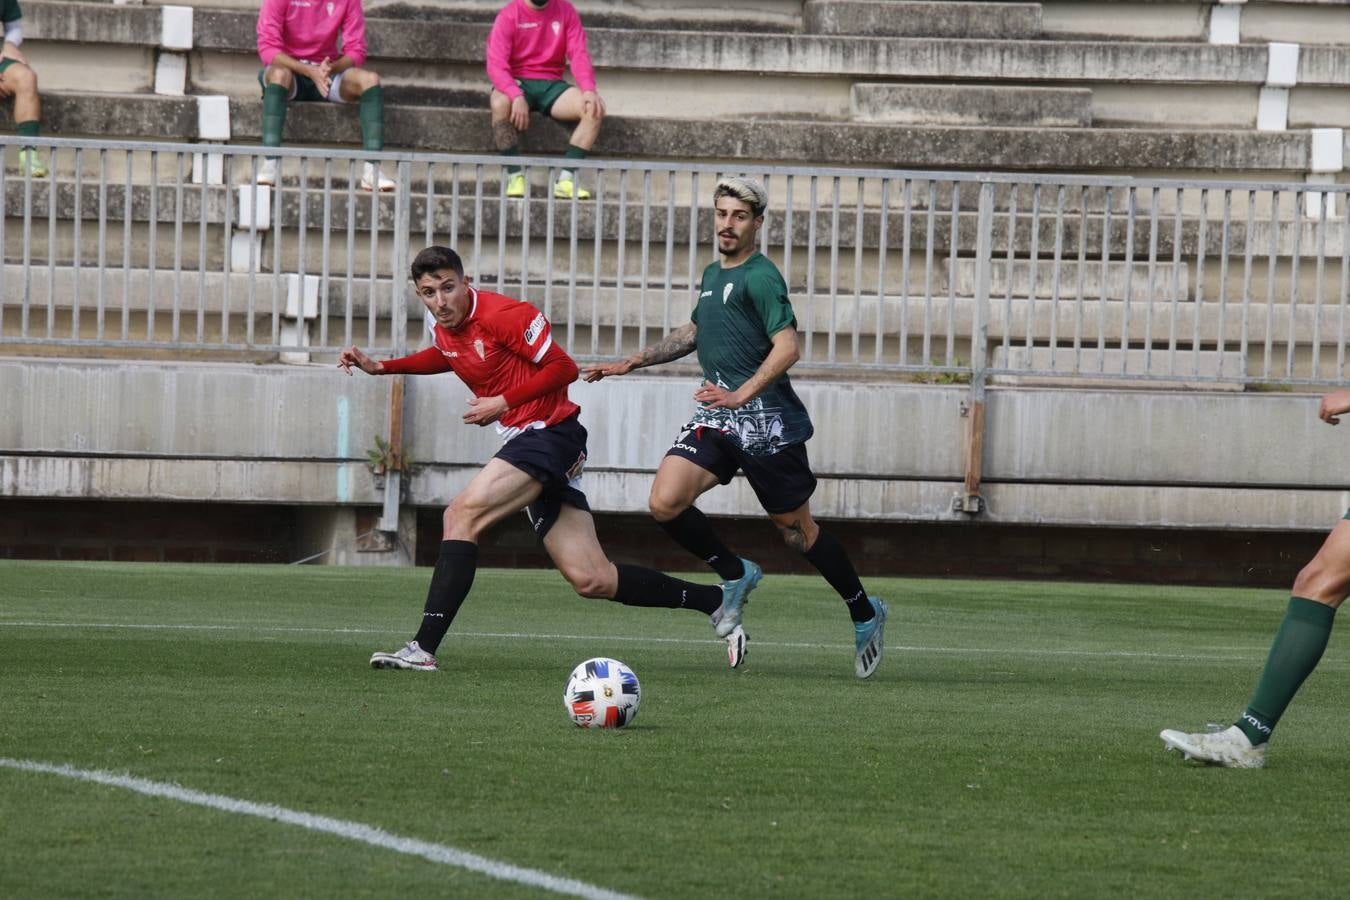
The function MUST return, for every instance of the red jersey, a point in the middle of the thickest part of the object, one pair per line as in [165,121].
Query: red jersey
[499,347]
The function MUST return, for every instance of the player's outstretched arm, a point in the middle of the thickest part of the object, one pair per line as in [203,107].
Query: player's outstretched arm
[1333,406]
[353,356]
[680,342]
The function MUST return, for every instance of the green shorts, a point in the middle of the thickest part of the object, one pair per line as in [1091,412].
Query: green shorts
[6,63]
[541,94]
[303,89]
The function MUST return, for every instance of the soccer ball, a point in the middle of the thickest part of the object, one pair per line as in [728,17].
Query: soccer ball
[602,693]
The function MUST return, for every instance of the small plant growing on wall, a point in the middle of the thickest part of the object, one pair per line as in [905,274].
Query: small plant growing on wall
[382,459]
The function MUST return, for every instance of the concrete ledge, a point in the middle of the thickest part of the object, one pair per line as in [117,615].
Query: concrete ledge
[905,18]
[213,432]
[953,104]
[718,50]
[1078,368]
[798,141]
[117,116]
[92,23]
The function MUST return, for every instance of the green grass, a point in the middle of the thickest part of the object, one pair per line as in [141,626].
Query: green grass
[1007,746]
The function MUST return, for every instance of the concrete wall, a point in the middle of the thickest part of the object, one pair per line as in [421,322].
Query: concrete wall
[886,452]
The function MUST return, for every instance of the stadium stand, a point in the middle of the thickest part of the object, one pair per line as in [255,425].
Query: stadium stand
[1195,91]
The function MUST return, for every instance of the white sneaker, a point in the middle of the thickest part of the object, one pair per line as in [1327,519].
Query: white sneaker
[267,172]
[1229,747]
[373,179]
[736,642]
[410,656]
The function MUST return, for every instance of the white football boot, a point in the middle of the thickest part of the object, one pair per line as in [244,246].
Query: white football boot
[410,656]
[736,642]
[1229,747]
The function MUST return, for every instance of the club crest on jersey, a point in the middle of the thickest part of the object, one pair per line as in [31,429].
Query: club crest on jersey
[536,328]
[726,292]
[329,6]
[478,348]
[556,26]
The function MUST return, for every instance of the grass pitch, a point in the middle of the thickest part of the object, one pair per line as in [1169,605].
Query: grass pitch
[1007,746]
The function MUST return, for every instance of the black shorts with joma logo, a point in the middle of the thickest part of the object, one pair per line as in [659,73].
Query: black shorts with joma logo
[782,481]
[555,457]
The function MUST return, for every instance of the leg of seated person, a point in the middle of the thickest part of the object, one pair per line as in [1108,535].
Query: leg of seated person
[507,139]
[569,107]
[364,85]
[278,83]
[22,82]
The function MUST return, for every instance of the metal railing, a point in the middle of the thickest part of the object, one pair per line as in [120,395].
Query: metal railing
[172,248]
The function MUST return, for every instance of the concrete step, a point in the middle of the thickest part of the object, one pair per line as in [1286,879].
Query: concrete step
[801,141]
[724,51]
[1204,369]
[460,220]
[905,18]
[1168,278]
[957,104]
[1306,22]
[289,294]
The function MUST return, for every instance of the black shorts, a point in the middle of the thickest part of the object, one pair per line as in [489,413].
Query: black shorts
[782,481]
[555,457]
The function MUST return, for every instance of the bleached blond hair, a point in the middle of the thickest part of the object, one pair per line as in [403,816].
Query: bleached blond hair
[746,190]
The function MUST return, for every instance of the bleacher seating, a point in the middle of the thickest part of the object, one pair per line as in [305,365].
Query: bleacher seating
[1051,87]
[825,93]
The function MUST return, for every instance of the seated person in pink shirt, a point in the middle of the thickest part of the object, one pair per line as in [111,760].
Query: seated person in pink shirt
[298,45]
[530,42]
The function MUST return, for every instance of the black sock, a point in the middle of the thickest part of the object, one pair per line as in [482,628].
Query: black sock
[639,586]
[829,556]
[450,584]
[692,531]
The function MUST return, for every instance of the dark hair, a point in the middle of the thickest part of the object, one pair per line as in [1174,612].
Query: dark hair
[433,259]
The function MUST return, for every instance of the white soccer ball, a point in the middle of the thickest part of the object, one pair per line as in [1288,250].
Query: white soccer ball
[602,693]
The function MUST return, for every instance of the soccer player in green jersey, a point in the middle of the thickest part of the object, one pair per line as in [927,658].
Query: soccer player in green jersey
[749,419]
[1319,589]
[18,80]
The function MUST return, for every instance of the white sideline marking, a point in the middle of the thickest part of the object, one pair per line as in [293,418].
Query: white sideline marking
[366,834]
[536,636]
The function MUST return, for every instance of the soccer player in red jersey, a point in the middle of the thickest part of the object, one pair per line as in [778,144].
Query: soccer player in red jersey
[503,350]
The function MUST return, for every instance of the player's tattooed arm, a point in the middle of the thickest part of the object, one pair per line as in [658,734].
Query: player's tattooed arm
[680,342]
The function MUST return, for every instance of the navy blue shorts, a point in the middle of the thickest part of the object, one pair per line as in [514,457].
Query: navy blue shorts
[555,457]
[782,481]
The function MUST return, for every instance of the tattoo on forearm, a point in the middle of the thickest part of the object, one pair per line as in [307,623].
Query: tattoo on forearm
[504,135]
[674,345]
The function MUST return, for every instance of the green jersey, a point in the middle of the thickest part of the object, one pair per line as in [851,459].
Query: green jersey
[738,311]
[9,11]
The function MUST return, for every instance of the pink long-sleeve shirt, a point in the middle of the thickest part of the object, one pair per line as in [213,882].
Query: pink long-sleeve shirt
[309,30]
[536,43]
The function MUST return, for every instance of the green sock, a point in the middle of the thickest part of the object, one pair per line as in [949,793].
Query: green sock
[574,152]
[274,114]
[28,129]
[372,119]
[513,150]
[1294,654]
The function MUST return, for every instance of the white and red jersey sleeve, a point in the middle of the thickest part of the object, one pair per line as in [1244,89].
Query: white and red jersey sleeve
[499,349]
